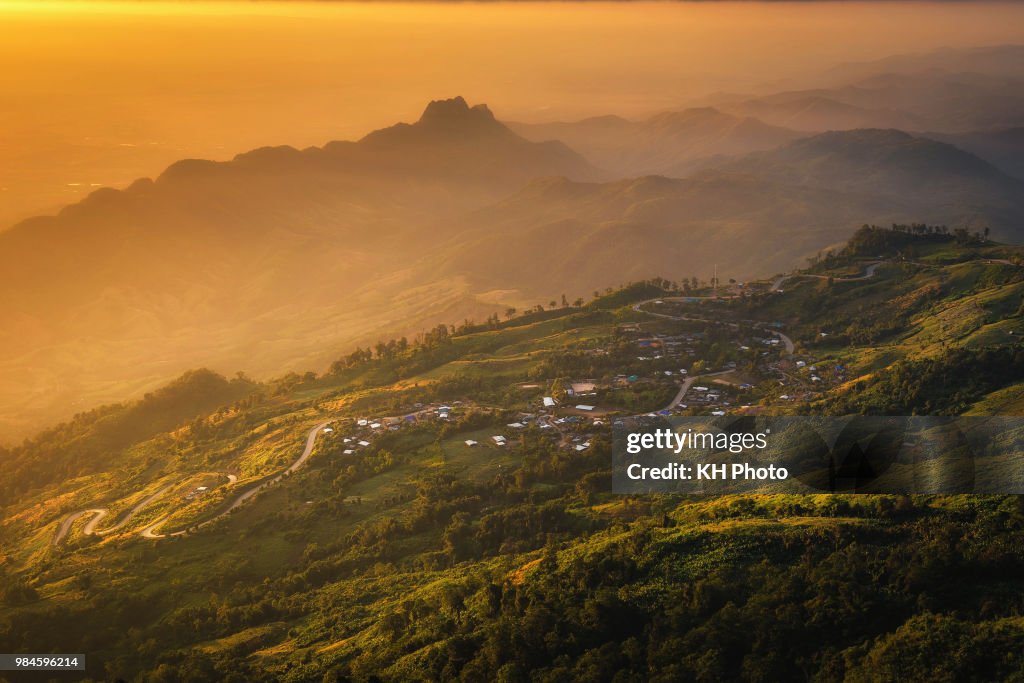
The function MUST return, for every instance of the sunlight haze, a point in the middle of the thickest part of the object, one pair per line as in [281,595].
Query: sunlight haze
[98,94]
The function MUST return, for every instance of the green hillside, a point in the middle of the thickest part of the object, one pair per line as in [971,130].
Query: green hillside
[190,537]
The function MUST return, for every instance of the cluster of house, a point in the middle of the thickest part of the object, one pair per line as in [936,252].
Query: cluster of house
[718,397]
[575,391]
[366,429]
[820,373]
[578,398]
[547,420]
[802,377]
[681,347]
[806,377]
[669,346]
[523,420]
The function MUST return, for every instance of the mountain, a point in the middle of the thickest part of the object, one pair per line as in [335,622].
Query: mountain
[941,100]
[452,140]
[1006,61]
[925,100]
[781,205]
[562,236]
[817,110]
[1004,149]
[936,181]
[670,143]
[262,262]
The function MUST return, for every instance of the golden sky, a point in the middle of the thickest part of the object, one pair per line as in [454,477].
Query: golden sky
[98,93]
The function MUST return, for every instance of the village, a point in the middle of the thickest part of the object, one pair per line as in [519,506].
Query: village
[690,366]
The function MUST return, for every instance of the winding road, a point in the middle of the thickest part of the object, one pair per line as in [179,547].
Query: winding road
[869,272]
[100,513]
[790,347]
[90,527]
[151,531]
[65,526]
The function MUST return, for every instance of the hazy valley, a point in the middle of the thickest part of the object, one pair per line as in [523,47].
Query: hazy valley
[281,257]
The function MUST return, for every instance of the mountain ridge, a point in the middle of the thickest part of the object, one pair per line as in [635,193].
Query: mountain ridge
[669,143]
[193,266]
[189,269]
[944,182]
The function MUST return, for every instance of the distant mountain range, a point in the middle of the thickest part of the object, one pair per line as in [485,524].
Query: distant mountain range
[930,100]
[757,214]
[563,236]
[933,180]
[671,143]
[1003,148]
[281,257]
[993,60]
[981,113]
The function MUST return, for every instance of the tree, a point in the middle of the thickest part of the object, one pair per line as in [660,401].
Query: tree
[557,390]
[458,541]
